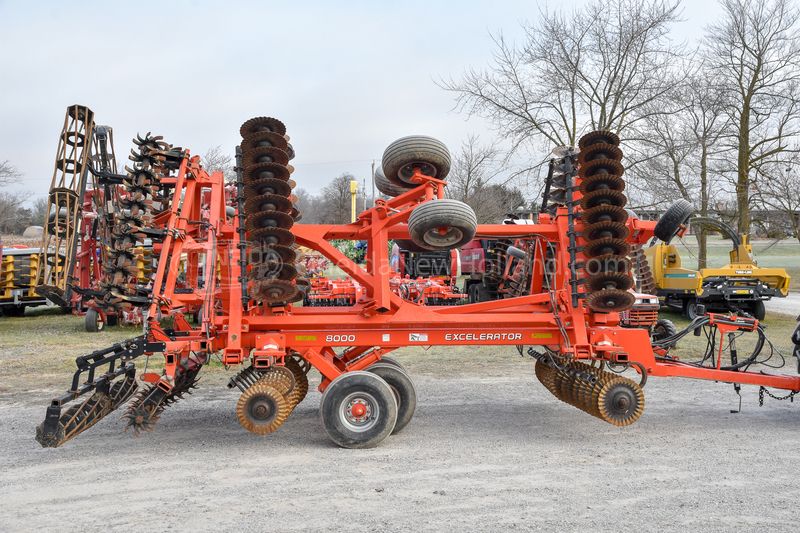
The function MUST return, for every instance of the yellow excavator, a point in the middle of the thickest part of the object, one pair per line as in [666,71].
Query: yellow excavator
[739,286]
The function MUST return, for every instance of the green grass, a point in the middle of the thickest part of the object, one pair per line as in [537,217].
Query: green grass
[778,330]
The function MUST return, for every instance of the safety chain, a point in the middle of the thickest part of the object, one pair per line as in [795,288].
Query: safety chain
[762,390]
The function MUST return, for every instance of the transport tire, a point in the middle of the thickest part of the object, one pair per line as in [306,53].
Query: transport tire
[409,245]
[94,321]
[392,361]
[670,222]
[358,410]
[387,187]
[405,393]
[690,309]
[442,224]
[429,154]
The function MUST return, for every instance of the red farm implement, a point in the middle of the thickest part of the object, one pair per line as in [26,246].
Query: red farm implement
[567,280]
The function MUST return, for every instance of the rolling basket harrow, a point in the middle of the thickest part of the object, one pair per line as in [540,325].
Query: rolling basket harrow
[567,278]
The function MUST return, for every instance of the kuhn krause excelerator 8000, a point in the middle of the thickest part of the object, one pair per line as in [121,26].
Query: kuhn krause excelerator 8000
[567,277]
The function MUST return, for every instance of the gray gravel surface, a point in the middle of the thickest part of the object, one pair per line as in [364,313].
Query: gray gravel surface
[481,454]
[789,305]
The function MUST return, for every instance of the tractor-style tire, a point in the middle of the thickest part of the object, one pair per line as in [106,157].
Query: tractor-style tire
[664,328]
[405,393]
[387,187]
[442,224]
[477,293]
[358,410]
[758,310]
[94,321]
[429,154]
[670,222]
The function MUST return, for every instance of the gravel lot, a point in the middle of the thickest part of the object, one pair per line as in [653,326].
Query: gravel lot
[486,451]
[790,305]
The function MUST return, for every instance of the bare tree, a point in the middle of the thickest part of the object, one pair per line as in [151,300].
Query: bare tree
[755,52]
[492,203]
[214,160]
[472,168]
[39,211]
[672,150]
[780,190]
[662,150]
[601,66]
[708,122]
[310,206]
[9,174]
[337,201]
[13,217]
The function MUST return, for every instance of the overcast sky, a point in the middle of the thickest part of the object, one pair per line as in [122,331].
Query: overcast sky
[347,78]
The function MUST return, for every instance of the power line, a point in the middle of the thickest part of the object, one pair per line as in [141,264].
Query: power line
[333,162]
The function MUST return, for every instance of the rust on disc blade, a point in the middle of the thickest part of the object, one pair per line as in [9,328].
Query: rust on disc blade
[598,137]
[269,271]
[597,198]
[608,280]
[297,297]
[267,186]
[606,247]
[274,291]
[262,124]
[620,402]
[267,236]
[604,213]
[606,230]
[264,154]
[292,183]
[601,166]
[262,171]
[610,301]
[607,263]
[263,138]
[267,202]
[268,219]
[273,253]
[600,182]
[599,151]
[262,409]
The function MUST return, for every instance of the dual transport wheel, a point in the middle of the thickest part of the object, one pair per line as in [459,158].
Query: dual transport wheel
[436,225]
[360,409]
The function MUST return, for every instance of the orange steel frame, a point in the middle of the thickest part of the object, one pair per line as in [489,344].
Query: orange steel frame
[380,321]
